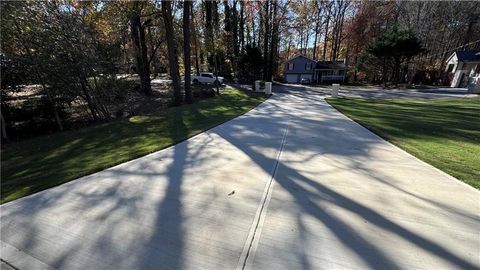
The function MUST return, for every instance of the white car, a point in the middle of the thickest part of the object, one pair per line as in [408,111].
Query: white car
[207,78]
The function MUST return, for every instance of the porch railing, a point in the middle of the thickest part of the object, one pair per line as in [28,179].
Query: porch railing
[332,78]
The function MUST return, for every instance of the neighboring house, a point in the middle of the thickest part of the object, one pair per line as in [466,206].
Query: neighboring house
[465,67]
[299,67]
[315,71]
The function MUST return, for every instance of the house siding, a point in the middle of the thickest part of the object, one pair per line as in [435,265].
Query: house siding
[465,70]
[299,69]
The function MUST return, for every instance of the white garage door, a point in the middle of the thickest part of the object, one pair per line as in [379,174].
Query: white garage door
[292,78]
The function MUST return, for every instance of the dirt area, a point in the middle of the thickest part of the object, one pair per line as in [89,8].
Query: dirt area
[28,113]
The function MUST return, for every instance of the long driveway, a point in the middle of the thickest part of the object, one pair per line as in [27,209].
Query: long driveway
[293,184]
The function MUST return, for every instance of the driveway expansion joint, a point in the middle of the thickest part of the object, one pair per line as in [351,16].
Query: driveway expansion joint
[248,254]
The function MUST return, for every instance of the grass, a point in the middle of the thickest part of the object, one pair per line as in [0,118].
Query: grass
[444,133]
[33,165]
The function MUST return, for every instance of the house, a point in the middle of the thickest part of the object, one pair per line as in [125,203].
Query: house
[298,68]
[302,67]
[328,71]
[465,68]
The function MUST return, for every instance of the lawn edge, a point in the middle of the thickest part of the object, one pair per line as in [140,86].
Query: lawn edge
[113,165]
[403,150]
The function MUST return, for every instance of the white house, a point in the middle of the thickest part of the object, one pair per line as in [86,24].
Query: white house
[465,67]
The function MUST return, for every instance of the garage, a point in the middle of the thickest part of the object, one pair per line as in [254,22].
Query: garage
[299,68]
[292,78]
[307,76]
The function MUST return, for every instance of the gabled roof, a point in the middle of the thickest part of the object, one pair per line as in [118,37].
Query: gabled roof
[301,56]
[466,56]
[329,65]
[323,64]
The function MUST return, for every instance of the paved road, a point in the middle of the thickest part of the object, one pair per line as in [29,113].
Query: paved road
[372,92]
[293,184]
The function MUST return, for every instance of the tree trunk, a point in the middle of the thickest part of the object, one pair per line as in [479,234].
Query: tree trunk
[4,129]
[211,23]
[242,25]
[339,35]
[273,42]
[396,72]
[88,98]
[209,28]
[334,35]
[137,32]
[234,25]
[231,37]
[253,32]
[317,24]
[307,37]
[100,99]
[266,27]
[384,72]
[325,40]
[236,37]
[51,101]
[186,49]
[248,36]
[195,41]
[288,48]
[172,57]
[301,41]
[355,69]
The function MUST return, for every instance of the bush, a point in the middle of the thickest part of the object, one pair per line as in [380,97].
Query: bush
[202,92]
[249,64]
[31,118]
[262,84]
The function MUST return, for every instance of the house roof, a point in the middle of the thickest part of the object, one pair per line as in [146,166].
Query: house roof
[329,65]
[466,56]
[323,64]
[301,56]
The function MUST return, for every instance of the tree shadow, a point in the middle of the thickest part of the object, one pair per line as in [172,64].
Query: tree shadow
[134,214]
[293,181]
[168,232]
[113,206]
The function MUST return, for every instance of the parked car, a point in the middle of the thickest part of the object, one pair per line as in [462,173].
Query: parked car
[305,81]
[207,78]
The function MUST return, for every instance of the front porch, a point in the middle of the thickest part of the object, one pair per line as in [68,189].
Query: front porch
[329,75]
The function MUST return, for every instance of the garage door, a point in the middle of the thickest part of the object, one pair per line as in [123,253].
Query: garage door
[292,78]
[307,76]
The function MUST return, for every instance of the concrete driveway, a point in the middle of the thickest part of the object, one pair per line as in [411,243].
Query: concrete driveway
[293,184]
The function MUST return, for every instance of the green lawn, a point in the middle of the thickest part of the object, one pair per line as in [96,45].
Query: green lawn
[36,164]
[444,133]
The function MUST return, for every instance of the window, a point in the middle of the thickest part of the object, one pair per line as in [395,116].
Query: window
[341,72]
[291,66]
[308,66]
[328,73]
[450,68]
[207,75]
